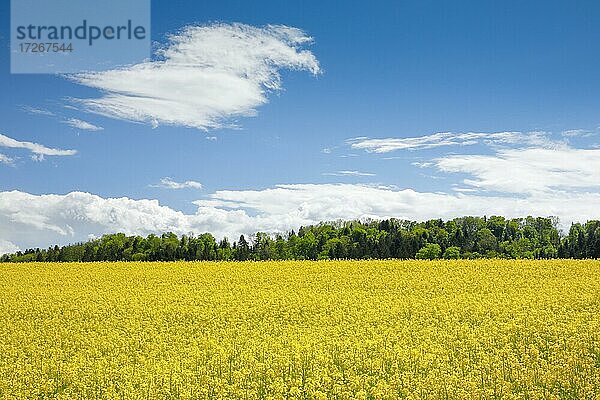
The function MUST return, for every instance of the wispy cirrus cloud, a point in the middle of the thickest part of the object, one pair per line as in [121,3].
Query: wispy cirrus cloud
[4,159]
[532,166]
[570,133]
[168,183]
[38,150]
[441,139]
[527,170]
[348,173]
[73,122]
[204,77]
[521,163]
[83,125]
[37,111]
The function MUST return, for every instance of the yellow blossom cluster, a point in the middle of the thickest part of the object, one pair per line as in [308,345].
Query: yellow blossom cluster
[478,329]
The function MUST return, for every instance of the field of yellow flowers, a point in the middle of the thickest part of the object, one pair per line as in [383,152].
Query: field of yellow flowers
[485,329]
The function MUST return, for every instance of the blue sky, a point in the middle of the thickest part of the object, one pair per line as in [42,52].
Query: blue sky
[387,71]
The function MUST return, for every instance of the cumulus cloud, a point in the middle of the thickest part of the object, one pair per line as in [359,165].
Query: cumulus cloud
[309,203]
[80,124]
[205,76]
[169,183]
[36,148]
[527,174]
[447,139]
[30,220]
[348,173]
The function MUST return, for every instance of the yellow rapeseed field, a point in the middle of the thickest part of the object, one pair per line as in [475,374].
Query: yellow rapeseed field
[485,329]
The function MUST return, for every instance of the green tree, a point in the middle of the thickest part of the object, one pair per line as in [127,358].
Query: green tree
[430,251]
[242,250]
[485,241]
[452,253]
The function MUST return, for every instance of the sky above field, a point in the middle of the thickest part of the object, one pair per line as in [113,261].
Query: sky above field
[264,116]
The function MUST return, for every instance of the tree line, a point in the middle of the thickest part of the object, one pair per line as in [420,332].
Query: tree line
[465,237]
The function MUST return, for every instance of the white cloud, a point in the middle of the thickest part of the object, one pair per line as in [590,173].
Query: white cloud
[73,122]
[531,175]
[522,163]
[211,138]
[464,190]
[169,183]
[528,170]
[30,221]
[348,173]
[35,148]
[4,159]
[299,204]
[577,133]
[447,139]
[7,247]
[37,111]
[205,77]
[80,124]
